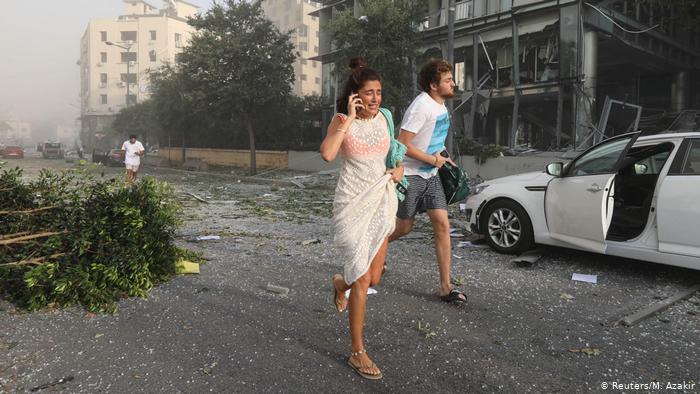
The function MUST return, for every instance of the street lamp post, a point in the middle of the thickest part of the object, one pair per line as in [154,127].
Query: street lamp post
[128,66]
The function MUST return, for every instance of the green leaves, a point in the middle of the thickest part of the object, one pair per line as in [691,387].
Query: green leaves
[387,38]
[109,240]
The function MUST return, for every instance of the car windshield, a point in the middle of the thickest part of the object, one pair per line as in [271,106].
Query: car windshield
[53,145]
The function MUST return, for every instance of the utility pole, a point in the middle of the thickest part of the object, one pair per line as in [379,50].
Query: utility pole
[128,46]
[451,60]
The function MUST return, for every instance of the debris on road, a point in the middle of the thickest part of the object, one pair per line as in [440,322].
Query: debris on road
[566,296]
[424,328]
[52,384]
[527,259]
[659,306]
[588,351]
[196,197]
[187,267]
[277,289]
[585,278]
[208,238]
[311,242]
[471,245]
[370,291]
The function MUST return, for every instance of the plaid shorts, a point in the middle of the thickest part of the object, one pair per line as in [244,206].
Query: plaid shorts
[422,194]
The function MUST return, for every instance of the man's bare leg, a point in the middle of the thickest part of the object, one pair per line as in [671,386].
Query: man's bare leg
[403,227]
[443,247]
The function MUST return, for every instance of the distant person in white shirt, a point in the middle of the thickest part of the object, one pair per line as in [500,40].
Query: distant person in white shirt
[134,150]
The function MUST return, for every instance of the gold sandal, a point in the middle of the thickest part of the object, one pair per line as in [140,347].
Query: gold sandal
[339,306]
[358,368]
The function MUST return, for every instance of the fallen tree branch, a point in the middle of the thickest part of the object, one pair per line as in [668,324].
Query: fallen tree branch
[196,197]
[28,237]
[29,211]
[5,236]
[34,261]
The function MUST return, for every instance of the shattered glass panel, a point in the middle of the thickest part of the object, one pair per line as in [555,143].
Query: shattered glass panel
[569,25]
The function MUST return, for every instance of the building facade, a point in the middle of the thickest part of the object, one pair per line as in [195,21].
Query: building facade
[297,16]
[116,56]
[539,74]
[15,132]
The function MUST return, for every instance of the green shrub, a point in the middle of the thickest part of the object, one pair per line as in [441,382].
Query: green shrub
[98,241]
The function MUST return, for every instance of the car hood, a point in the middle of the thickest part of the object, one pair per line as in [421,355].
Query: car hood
[536,178]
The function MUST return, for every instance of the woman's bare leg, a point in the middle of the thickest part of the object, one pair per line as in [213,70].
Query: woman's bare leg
[358,302]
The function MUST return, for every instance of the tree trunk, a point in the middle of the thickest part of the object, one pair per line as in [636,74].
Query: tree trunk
[251,137]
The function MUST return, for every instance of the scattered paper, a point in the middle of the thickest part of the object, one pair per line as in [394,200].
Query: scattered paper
[186,267]
[311,241]
[277,289]
[370,291]
[457,257]
[585,278]
[566,296]
[208,238]
[462,206]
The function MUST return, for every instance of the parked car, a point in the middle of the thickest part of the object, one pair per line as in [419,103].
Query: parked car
[52,150]
[631,196]
[115,157]
[13,152]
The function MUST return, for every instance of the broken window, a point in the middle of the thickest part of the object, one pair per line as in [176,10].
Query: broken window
[130,78]
[128,57]
[128,36]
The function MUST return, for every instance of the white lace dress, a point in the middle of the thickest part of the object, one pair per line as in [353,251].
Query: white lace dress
[365,204]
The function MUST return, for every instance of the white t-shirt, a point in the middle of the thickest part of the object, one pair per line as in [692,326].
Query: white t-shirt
[131,156]
[430,122]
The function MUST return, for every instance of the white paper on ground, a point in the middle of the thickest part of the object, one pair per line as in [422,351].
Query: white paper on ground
[457,257]
[584,278]
[462,206]
[208,238]
[370,291]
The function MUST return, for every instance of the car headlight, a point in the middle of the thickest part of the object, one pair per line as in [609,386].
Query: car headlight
[480,188]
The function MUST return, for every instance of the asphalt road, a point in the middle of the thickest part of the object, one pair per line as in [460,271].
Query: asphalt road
[523,329]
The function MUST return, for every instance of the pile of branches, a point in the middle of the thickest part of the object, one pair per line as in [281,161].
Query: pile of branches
[68,239]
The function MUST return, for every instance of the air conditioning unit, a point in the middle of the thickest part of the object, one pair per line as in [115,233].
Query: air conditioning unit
[103,85]
[122,84]
[99,64]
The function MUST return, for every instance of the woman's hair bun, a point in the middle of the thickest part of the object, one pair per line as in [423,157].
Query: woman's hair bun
[357,63]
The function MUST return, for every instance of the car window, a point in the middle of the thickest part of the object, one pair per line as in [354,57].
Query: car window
[692,163]
[601,159]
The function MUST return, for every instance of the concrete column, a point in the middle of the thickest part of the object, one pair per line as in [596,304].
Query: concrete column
[585,110]
[679,91]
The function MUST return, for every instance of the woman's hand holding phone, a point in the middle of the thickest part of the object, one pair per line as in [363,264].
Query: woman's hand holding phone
[355,105]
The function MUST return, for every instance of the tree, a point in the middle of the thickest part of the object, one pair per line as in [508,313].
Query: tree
[240,63]
[387,37]
[139,119]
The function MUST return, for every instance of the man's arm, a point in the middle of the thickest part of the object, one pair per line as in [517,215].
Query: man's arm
[406,138]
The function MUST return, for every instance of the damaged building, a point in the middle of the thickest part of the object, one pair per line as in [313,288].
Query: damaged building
[555,75]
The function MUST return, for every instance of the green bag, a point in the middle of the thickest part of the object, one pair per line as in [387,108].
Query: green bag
[455,182]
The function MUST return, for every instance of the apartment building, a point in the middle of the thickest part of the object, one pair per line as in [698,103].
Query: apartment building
[543,74]
[117,54]
[294,15]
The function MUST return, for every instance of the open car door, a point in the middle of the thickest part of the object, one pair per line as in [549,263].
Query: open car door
[578,205]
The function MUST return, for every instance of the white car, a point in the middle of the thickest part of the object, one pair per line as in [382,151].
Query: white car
[631,196]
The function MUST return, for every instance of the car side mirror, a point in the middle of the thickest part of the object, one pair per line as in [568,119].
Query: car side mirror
[555,169]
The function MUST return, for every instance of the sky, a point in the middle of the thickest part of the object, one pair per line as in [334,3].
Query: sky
[40,45]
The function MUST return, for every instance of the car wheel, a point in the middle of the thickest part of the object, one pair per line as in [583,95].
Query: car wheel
[507,227]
